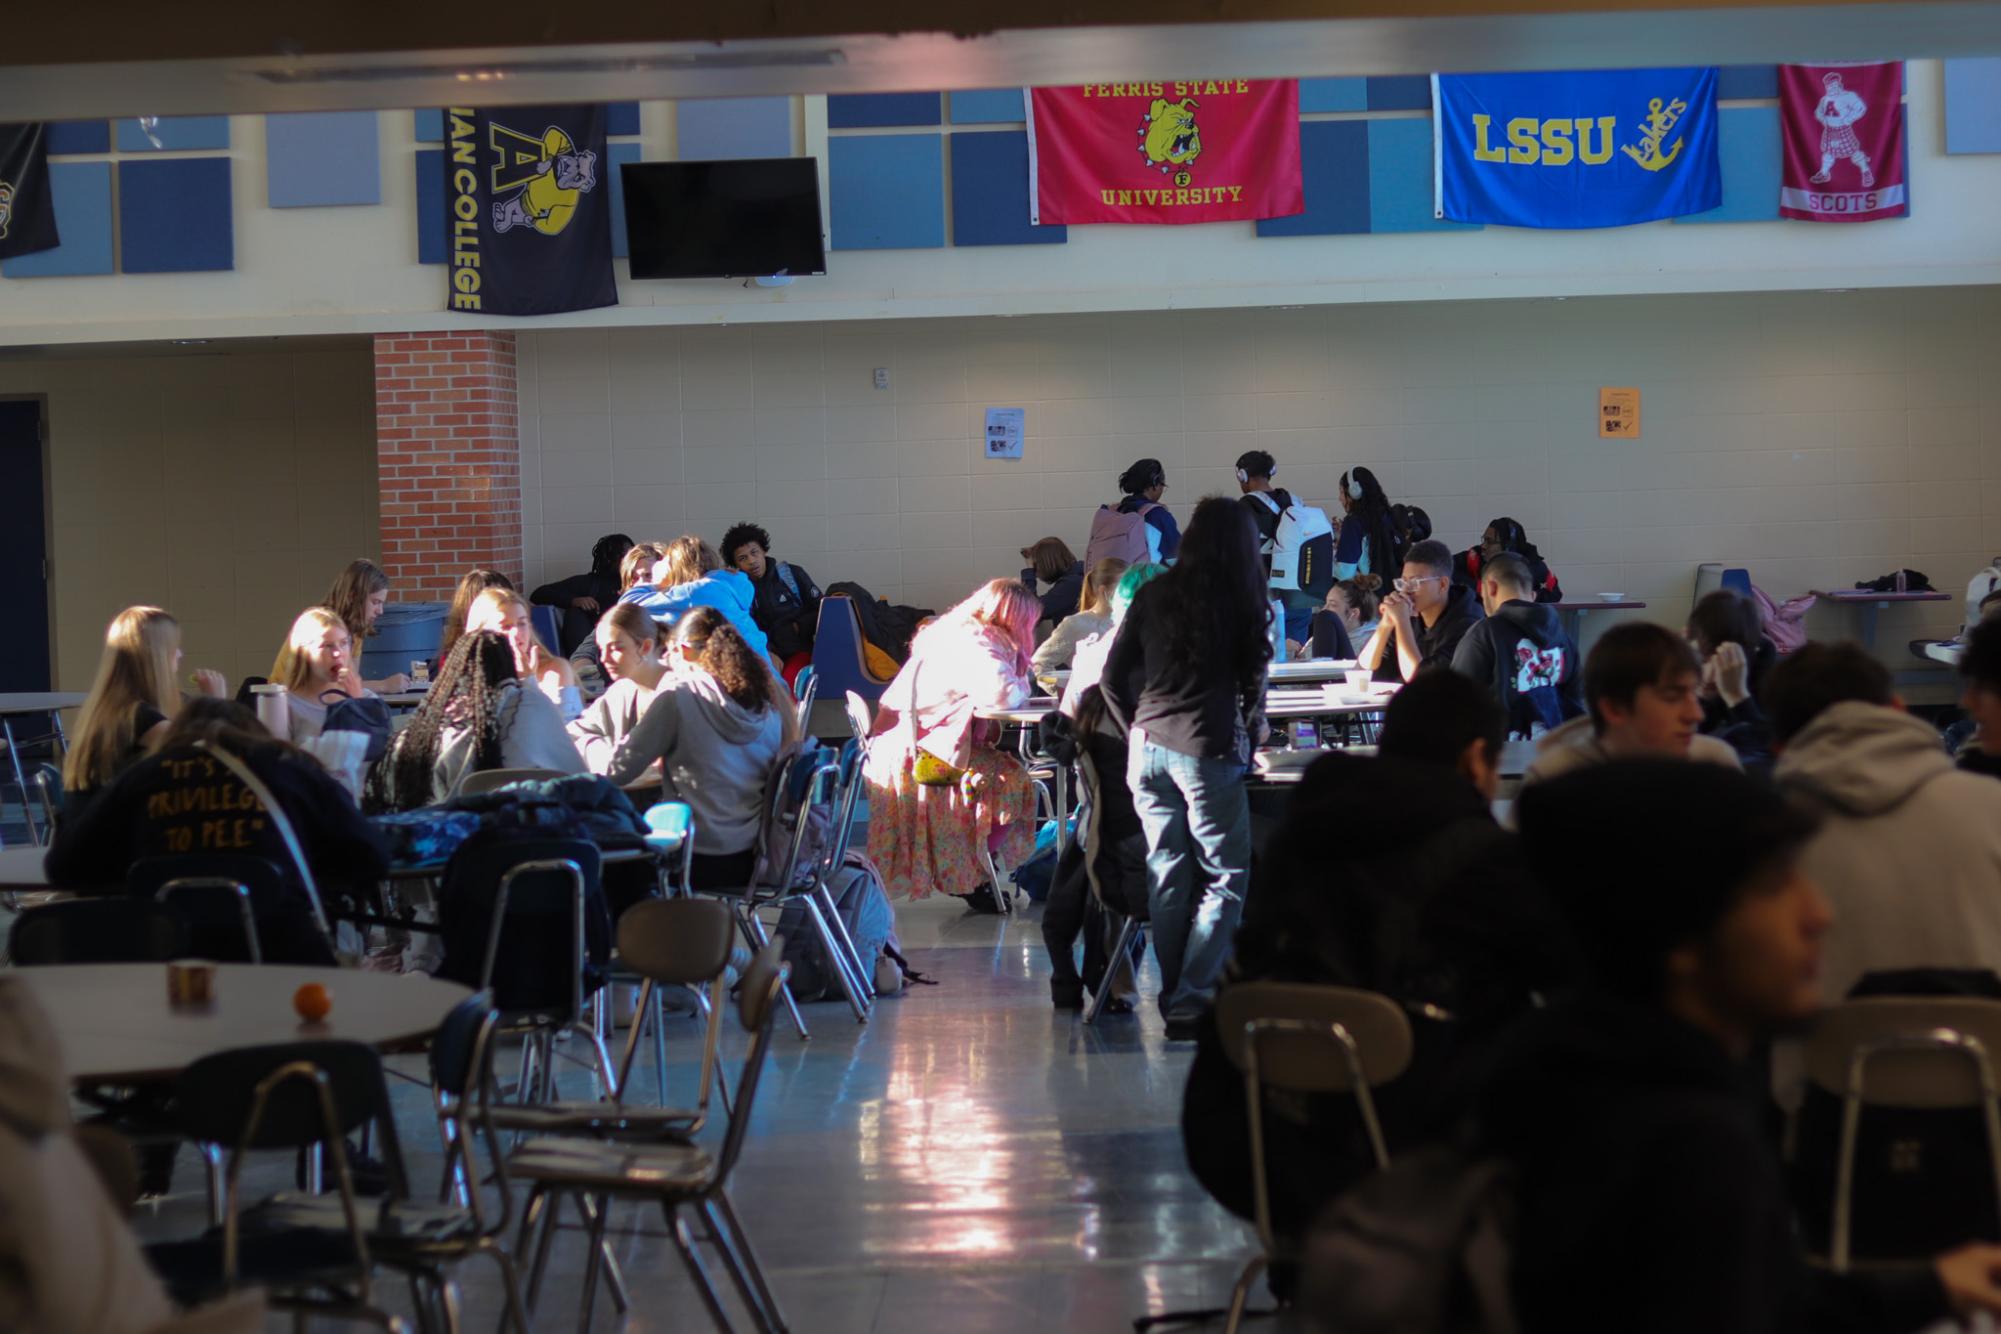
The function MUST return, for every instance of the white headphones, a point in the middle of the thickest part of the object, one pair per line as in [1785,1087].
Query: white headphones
[1243,476]
[1354,488]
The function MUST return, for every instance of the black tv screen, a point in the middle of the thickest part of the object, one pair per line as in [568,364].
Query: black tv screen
[730,219]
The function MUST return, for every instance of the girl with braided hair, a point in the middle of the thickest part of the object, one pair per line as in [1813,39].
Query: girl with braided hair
[477,716]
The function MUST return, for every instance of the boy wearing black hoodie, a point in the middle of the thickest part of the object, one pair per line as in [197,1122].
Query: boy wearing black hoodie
[1520,652]
[1426,617]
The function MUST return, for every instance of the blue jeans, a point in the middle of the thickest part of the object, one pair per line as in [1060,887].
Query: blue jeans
[1198,866]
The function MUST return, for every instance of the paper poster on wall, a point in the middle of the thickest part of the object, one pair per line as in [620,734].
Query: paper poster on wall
[1005,429]
[1618,414]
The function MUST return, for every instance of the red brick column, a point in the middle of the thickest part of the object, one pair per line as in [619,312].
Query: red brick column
[448,447]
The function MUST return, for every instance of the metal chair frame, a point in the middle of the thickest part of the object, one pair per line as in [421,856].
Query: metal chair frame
[1947,1041]
[538,1046]
[1130,928]
[215,884]
[708,1199]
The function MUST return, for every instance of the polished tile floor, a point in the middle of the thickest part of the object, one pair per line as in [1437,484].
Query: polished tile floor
[970,1161]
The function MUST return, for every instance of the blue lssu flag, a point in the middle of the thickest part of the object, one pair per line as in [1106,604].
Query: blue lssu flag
[1591,148]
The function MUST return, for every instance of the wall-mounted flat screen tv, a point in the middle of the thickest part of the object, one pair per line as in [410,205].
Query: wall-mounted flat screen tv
[729,219]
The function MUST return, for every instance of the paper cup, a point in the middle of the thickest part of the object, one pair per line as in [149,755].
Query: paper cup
[1360,678]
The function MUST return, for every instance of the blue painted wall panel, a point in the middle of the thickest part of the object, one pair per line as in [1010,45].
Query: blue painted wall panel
[1746,83]
[1334,167]
[80,136]
[1400,186]
[176,134]
[322,159]
[888,191]
[1402,92]
[989,106]
[990,192]
[1333,94]
[430,206]
[82,193]
[430,125]
[1973,105]
[620,153]
[858,111]
[1747,148]
[733,127]
[174,216]
[621,119]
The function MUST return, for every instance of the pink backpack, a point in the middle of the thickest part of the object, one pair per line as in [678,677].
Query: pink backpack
[1785,622]
[1120,536]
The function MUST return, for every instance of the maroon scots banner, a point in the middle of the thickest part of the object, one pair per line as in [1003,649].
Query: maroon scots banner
[1161,150]
[1844,142]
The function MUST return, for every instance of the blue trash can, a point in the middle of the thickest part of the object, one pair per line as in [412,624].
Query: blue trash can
[406,632]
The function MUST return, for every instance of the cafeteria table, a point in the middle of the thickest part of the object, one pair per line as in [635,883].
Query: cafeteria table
[1024,718]
[1867,604]
[1571,612]
[114,1026]
[1314,671]
[1945,651]
[48,704]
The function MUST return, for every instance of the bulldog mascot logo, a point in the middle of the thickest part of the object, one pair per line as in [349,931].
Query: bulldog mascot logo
[548,174]
[1169,137]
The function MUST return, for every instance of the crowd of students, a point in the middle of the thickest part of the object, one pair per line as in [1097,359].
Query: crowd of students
[1713,839]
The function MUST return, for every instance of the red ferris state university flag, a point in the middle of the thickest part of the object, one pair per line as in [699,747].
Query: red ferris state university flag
[1197,150]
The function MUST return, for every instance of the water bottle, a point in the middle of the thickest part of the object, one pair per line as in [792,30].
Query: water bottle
[274,710]
[1276,633]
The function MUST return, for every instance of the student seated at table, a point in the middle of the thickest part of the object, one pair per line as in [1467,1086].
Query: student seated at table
[316,667]
[69,1259]
[1058,576]
[1348,620]
[1648,1190]
[634,570]
[939,787]
[506,613]
[129,704]
[182,800]
[1728,634]
[711,729]
[475,582]
[786,605]
[358,596]
[1435,909]
[631,646]
[1521,653]
[1087,666]
[580,599]
[1425,618]
[477,716]
[1640,700]
[1093,617]
[1506,536]
[1980,669]
[689,575]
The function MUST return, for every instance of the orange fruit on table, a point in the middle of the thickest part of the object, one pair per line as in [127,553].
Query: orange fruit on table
[313,1001]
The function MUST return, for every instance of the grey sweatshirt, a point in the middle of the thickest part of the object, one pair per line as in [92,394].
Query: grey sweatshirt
[531,737]
[714,755]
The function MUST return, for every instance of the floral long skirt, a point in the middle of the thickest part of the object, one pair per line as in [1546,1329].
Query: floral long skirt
[927,840]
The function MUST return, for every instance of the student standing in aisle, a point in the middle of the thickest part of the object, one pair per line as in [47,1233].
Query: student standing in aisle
[1186,677]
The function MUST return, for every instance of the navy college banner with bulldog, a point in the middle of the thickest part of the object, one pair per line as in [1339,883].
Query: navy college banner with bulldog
[1586,148]
[27,212]
[528,216]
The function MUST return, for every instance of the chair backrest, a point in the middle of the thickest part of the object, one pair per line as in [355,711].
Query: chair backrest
[1303,1038]
[801,815]
[97,930]
[462,1082]
[213,1097]
[847,799]
[548,623]
[49,784]
[218,909]
[861,717]
[670,827]
[543,888]
[1299,1021]
[680,942]
[492,780]
[805,687]
[757,1005]
[1908,1051]
[838,663]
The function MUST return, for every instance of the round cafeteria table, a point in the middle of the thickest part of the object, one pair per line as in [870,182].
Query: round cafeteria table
[115,1027]
[21,868]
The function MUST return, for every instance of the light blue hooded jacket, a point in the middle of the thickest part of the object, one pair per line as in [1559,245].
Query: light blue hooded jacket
[728,591]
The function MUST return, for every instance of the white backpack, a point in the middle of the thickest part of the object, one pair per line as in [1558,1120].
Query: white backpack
[1977,588]
[1302,551]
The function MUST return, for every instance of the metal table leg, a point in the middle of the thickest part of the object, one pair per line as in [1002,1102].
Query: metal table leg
[20,775]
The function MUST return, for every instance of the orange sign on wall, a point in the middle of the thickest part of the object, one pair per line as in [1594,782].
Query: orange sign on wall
[1618,414]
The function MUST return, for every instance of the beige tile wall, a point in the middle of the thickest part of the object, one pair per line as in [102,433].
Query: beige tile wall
[229,488]
[1816,438]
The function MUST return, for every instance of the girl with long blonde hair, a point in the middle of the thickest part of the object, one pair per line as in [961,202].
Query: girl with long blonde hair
[359,595]
[943,797]
[132,700]
[317,660]
[506,613]
[475,582]
[1092,617]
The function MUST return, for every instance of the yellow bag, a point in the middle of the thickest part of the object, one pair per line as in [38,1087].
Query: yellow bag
[930,771]
[879,664]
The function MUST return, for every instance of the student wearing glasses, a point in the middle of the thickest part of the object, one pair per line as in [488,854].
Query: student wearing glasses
[1426,616]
